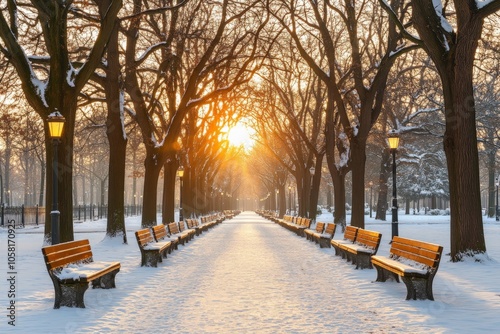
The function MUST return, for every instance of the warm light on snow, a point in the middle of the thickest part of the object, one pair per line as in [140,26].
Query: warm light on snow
[250,275]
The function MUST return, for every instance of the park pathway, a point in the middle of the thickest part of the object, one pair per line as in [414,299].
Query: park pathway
[247,275]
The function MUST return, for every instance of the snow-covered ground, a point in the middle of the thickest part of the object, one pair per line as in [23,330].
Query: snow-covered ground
[249,275]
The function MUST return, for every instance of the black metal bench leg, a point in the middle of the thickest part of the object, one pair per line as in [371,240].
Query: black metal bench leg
[72,295]
[151,259]
[418,288]
[106,281]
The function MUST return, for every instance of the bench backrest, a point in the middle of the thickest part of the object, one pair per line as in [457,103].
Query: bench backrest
[330,229]
[320,227]
[182,227]
[306,222]
[159,232]
[60,255]
[370,239]
[418,251]
[350,233]
[143,237]
[173,228]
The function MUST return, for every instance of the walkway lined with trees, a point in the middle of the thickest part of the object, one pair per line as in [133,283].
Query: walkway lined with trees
[160,85]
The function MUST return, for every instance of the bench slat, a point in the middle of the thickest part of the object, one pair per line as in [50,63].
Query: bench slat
[69,252]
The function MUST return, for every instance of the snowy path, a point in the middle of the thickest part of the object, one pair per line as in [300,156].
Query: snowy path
[246,275]
[249,275]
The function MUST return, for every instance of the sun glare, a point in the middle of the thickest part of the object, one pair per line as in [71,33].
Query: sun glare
[241,135]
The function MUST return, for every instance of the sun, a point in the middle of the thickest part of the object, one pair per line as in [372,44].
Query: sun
[241,135]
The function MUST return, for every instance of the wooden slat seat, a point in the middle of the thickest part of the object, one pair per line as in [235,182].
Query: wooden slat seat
[415,261]
[174,230]
[365,245]
[182,229]
[325,238]
[192,224]
[71,267]
[152,252]
[349,237]
[318,230]
[160,233]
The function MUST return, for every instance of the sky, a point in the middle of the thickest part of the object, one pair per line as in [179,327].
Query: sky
[249,275]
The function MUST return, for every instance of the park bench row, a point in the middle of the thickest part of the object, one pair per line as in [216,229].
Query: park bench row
[292,223]
[157,242]
[72,268]
[416,262]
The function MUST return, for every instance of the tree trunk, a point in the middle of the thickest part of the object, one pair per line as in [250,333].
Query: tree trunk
[358,161]
[152,173]
[316,182]
[491,179]
[339,216]
[454,62]
[117,139]
[169,177]
[42,184]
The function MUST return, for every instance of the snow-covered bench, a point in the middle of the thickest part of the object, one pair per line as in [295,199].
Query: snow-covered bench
[152,252]
[182,229]
[160,234]
[297,225]
[326,237]
[360,252]
[71,268]
[193,224]
[310,233]
[174,230]
[349,237]
[415,261]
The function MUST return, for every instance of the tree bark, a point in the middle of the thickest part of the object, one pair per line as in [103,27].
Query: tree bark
[454,60]
[117,139]
[169,177]
[358,162]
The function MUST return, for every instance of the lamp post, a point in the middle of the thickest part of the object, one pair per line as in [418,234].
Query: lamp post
[180,173]
[393,145]
[371,196]
[497,181]
[56,126]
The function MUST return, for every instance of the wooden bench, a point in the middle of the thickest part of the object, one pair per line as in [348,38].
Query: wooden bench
[193,224]
[160,234]
[182,229]
[349,237]
[415,261]
[299,225]
[318,230]
[325,238]
[174,230]
[360,252]
[152,252]
[71,268]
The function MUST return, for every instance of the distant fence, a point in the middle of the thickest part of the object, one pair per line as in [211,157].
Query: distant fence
[24,215]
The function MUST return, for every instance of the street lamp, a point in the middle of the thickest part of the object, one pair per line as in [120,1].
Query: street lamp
[56,126]
[180,173]
[371,196]
[496,206]
[393,146]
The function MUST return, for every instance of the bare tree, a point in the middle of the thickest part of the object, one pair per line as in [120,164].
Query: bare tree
[53,79]
[453,50]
